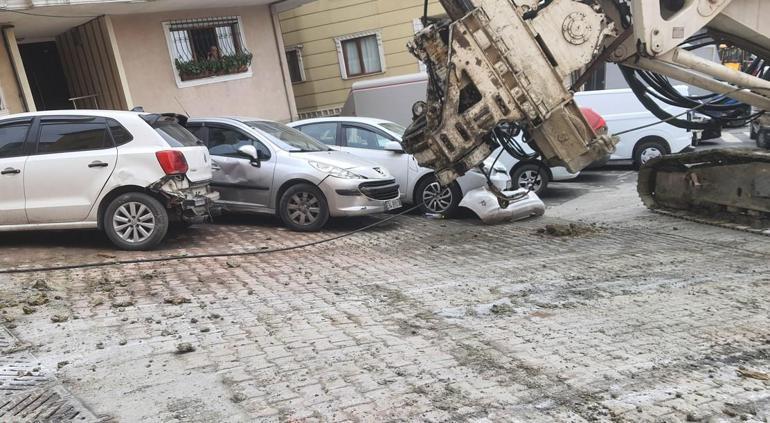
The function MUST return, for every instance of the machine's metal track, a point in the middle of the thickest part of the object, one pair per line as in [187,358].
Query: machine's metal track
[726,188]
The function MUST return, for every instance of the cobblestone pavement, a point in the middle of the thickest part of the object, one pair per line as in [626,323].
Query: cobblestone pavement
[639,318]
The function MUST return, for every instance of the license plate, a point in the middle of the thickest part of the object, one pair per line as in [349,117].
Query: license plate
[392,204]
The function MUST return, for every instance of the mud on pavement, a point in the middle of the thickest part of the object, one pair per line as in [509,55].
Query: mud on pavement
[423,320]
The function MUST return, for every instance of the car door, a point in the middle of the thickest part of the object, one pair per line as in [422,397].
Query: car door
[241,182]
[369,143]
[72,161]
[13,157]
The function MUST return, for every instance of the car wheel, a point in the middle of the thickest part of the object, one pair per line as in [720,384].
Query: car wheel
[435,199]
[135,221]
[303,208]
[531,177]
[762,140]
[647,151]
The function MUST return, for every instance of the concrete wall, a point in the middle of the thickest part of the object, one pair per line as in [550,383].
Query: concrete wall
[9,87]
[316,25]
[90,63]
[150,72]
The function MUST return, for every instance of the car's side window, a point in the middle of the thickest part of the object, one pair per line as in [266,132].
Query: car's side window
[65,137]
[12,137]
[198,130]
[324,132]
[120,134]
[227,141]
[363,138]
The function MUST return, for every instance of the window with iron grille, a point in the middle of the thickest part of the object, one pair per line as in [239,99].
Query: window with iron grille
[208,47]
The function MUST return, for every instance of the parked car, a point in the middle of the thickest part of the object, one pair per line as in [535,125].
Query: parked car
[128,174]
[622,110]
[380,141]
[262,166]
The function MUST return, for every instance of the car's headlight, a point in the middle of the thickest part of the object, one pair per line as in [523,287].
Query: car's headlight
[335,171]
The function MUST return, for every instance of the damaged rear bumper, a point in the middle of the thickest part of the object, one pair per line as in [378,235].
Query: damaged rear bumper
[190,202]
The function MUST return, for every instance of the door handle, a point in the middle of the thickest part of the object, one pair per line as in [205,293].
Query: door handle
[10,171]
[98,164]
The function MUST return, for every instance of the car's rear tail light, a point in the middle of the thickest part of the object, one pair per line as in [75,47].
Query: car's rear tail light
[172,162]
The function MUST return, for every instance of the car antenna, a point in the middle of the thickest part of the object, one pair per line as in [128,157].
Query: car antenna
[180,105]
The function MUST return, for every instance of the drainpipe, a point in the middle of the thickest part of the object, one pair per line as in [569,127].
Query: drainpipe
[20,75]
[275,9]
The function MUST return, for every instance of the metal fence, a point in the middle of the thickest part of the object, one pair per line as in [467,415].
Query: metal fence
[196,40]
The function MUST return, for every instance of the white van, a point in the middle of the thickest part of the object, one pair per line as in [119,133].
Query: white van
[622,111]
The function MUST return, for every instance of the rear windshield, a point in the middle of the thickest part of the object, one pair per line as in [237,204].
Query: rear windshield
[287,138]
[176,135]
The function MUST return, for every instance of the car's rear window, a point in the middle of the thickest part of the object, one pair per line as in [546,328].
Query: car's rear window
[176,135]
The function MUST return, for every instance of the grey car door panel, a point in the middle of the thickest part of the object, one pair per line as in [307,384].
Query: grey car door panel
[241,181]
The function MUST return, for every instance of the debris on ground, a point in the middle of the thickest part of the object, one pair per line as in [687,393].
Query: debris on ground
[59,318]
[106,255]
[37,300]
[100,345]
[231,264]
[41,285]
[176,300]
[27,309]
[573,229]
[61,364]
[184,348]
[123,304]
[501,309]
[122,342]
[238,397]
[753,374]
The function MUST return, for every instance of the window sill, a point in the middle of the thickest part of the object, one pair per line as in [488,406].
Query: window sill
[363,75]
[212,79]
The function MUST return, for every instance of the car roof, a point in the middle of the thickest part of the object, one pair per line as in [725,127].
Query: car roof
[355,119]
[117,114]
[241,119]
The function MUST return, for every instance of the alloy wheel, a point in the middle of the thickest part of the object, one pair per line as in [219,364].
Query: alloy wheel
[436,198]
[133,222]
[530,178]
[304,208]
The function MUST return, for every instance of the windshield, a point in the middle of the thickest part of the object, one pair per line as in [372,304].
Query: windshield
[394,127]
[289,139]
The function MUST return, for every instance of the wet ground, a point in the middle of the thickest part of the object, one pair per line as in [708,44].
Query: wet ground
[623,316]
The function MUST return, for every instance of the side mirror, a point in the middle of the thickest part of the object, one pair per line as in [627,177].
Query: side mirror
[394,146]
[252,153]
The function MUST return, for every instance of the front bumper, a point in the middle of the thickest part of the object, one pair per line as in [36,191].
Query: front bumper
[352,197]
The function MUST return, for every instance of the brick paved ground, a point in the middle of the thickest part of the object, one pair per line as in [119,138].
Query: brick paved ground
[645,319]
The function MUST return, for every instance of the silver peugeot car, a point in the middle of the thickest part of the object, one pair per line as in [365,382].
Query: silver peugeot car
[261,166]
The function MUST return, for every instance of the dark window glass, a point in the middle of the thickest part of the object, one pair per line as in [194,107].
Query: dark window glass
[198,131]
[324,132]
[226,142]
[12,138]
[175,134]
[119,134]
[364,138]
[295,65]
[66,137]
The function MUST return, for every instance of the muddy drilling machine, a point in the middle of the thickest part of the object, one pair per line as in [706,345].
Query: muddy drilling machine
[498,68]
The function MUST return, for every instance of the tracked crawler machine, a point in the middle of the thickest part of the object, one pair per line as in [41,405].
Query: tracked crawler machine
[497,67]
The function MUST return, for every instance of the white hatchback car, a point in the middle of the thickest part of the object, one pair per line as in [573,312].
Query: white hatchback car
[129,174]
[380,141]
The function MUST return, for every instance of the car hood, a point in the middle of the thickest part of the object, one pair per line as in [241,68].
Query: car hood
[347,161]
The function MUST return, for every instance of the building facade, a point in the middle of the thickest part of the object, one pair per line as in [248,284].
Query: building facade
[330,44]
[197,56]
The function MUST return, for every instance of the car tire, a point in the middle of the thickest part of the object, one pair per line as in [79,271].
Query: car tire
[435,199]
[135,222]
[647,150]
[763,140]
[303,208]
[530,175]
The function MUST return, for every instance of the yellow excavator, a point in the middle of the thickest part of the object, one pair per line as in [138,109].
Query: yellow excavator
[499,68]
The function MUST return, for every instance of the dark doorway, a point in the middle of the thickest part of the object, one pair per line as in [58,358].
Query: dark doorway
[46,75]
